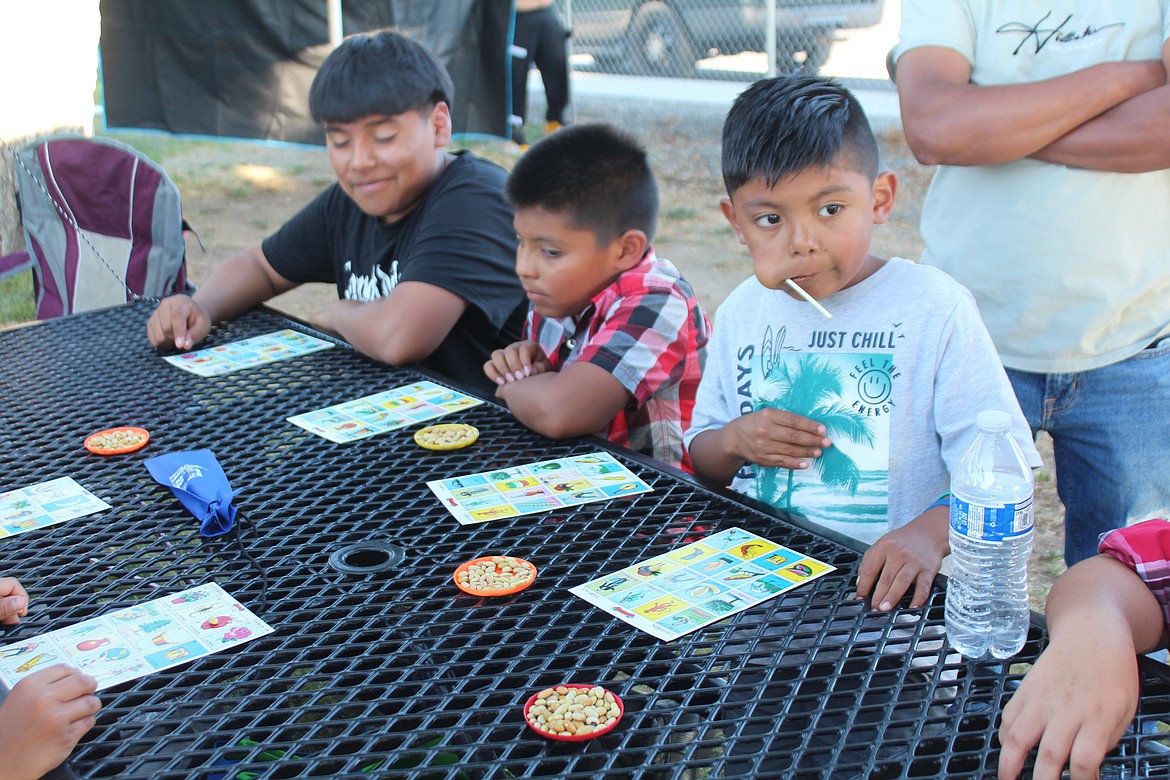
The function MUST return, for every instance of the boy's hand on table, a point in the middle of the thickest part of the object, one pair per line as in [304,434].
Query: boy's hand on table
[1081,694]
[517,361]
[13,601]
[1075,703]
[773,437]
[43,717]
[178,322]
[905,558]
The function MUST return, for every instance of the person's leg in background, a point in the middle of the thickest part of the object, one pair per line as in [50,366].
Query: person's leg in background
[552,61]
[1110,431]
[525,37]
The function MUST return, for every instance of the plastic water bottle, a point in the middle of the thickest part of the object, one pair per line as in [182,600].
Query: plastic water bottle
[991,539]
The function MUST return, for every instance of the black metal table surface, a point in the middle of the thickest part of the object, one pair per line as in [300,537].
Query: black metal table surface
[397,673]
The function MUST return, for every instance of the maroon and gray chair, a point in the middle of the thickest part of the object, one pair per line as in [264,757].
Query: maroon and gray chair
[103,224]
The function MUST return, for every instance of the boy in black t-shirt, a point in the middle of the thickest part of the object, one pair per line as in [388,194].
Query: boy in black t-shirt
[419,241]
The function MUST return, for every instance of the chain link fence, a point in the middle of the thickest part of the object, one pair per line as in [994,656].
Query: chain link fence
[692,57]
[721,39]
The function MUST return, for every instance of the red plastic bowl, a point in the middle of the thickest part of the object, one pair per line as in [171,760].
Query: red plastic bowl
[573,737]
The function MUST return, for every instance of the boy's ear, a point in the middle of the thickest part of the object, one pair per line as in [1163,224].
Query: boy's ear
[728,209]
[632,245]
[885,192]
[440,122]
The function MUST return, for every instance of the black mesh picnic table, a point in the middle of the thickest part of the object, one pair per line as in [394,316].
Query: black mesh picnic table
[380,666]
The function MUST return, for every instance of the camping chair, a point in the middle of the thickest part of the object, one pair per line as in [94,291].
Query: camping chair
[102,225]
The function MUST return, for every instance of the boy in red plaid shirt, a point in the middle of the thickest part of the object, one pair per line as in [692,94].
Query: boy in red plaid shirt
[615,339]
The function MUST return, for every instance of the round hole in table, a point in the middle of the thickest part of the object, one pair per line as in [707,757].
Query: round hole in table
[365,558]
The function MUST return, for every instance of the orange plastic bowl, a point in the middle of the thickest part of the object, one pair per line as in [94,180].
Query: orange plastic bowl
[91,441]
[501,591]
[573,737]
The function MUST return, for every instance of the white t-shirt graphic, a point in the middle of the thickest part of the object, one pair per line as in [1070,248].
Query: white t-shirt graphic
[377,284]
[898,376]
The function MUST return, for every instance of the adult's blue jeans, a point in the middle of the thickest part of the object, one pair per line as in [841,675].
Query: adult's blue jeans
[1110,431]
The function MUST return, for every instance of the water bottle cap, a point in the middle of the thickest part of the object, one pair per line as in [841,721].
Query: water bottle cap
[994,420]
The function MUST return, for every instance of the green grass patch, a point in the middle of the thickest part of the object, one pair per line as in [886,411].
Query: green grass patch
[161,147]
[681,213]
[241,191]
[16,299]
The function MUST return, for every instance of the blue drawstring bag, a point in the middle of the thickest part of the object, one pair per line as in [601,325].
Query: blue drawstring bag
[198,481]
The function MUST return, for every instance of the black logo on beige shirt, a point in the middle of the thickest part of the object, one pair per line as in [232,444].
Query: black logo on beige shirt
[1039,34]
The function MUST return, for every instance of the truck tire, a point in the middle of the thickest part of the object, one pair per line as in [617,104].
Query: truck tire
[659,44]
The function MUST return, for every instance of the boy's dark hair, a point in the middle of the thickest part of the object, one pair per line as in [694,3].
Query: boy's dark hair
[379,72]
[781,126]
[594,175]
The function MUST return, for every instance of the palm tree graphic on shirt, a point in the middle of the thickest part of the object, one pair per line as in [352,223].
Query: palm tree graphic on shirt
[812,388]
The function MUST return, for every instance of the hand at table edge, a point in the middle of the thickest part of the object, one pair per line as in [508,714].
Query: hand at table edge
[178,322]
[13,601]
[43,718]
[905,558]
[1081,694]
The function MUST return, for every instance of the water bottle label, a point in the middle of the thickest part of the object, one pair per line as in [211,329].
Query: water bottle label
[991,524]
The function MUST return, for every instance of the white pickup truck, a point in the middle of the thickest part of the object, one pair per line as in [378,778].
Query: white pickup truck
[667,37]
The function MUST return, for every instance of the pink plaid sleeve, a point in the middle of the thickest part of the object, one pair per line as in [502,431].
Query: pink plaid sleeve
[1145,548]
